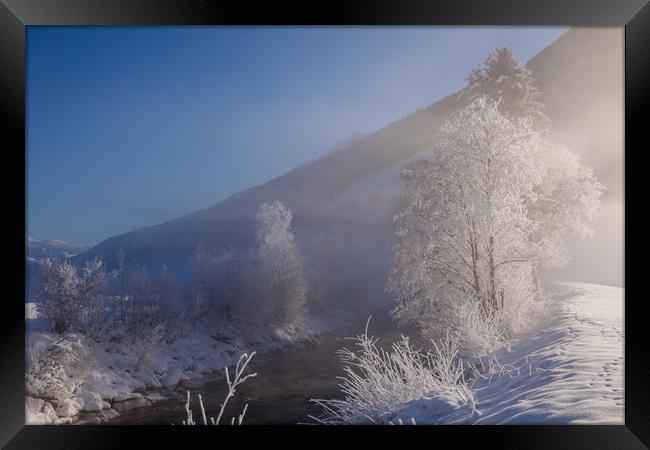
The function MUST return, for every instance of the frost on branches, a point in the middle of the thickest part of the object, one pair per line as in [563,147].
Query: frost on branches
[67,292]
[281,267]
[377,383]
[492,206]
[232,386]
[502,80]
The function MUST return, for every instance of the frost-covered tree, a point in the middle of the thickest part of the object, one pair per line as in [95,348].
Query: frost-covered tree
[475,217]
[152,303]
[66,292]
[565,201]
[281,266]
[502,80]
[201,291]
[222,284]
[234,273]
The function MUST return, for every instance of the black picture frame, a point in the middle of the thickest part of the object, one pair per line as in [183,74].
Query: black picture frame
[16,15]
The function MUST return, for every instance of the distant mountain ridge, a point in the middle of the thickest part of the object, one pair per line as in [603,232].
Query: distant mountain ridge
[51,248]
[579,92]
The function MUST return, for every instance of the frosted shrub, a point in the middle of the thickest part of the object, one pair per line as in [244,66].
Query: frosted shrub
[146,308]
[477,332]
[151,304]
[222,286]
[522,302]
[141,316]
[377,383]
[149,337]
[67,291]
[232,385]
[481,333]
[100,319]
[55,370]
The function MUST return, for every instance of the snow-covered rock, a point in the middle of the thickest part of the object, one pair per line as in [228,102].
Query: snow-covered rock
[92,401]
[68,408]
[38,411]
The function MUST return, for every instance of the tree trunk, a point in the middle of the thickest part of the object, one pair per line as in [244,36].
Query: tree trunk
[493,287]
[482,296]
[477,280]
[61,325]
[535,277]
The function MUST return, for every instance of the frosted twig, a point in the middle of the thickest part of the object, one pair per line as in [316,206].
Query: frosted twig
[241,416]
[205,421]
[188,411]
[232,385]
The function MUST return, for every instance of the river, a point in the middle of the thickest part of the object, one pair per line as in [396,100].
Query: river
[280,394]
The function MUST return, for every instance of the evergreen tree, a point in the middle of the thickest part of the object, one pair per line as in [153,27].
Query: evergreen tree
[501,79]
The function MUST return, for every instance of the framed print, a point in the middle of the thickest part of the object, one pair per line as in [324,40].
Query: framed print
[378,218]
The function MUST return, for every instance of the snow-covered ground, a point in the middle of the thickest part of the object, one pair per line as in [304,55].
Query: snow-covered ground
[568,370]
[107,381]
[111,381]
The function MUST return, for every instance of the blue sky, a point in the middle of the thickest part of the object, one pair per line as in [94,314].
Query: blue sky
[129,127]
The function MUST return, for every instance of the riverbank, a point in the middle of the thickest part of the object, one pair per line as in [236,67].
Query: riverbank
[70,381]
[288,378]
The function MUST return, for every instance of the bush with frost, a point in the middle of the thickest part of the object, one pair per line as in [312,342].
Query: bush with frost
[378,382]
[57,369]
[222,286]
[67,291]
[151,301]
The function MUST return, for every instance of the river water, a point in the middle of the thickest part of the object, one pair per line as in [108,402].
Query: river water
[280,394]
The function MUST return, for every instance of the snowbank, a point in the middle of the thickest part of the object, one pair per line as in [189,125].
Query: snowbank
[569,370]
[109,381]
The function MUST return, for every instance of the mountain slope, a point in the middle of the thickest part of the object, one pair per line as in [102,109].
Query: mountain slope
[344,201]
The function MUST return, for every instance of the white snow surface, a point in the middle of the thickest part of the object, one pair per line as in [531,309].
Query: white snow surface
[568,370]
[112,383]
